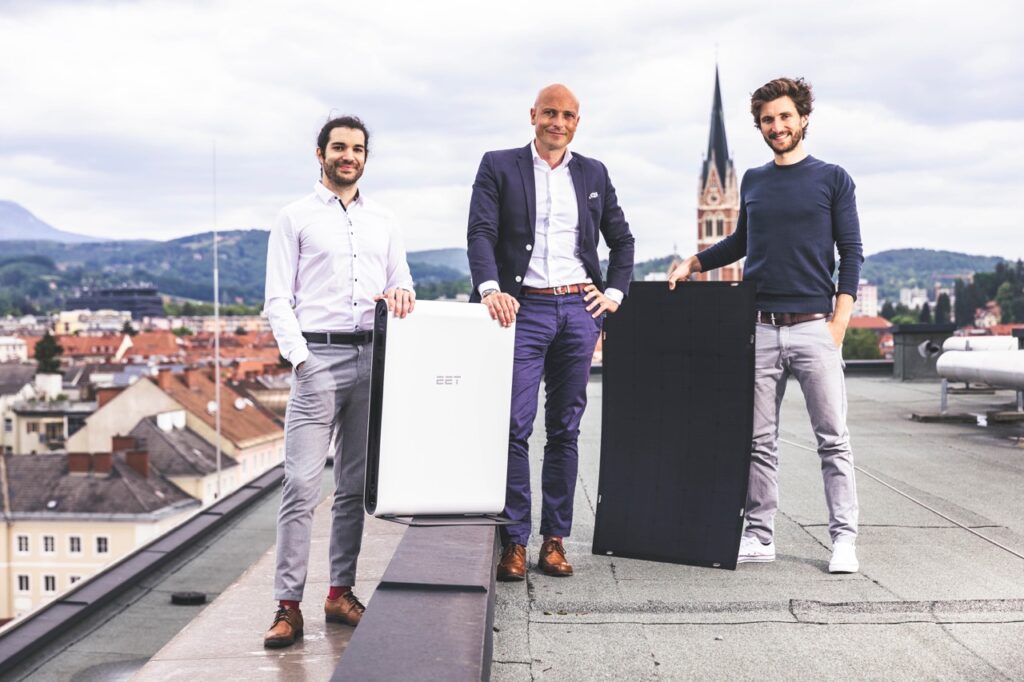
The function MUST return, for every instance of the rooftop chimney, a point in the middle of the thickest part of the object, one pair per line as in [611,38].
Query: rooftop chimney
[192,378]
[79,462]
[105,395]
[164,379]
[121,443]
[102,462]
[139,461]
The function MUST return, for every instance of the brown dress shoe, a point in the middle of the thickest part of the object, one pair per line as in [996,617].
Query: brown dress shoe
[345,609]
[287,626]
[552,559]
[512,566]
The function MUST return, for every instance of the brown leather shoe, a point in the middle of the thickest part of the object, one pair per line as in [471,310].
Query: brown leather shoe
[287,626]
[512,566]
[345,609]
[552,559]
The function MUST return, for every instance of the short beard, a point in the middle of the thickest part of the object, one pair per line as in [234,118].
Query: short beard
[331,173]
[797,136]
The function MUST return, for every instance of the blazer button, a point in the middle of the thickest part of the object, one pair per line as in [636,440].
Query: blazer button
[518,278]
[529,247]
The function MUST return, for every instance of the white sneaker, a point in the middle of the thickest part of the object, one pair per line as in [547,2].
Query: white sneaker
[844,558]
[752,551]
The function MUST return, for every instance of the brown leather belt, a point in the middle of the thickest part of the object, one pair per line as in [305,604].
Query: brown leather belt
[557,291]
[787,319]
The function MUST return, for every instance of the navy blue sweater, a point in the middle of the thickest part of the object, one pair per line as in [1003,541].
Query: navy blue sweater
[792,220]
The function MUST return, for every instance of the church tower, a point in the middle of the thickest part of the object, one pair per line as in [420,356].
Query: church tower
[718,195]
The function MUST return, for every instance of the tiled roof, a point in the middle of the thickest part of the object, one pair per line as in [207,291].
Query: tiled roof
[42,484]
[79,346]
[869,322]
[13,377]
[244,427]
[179,452]
[157,343]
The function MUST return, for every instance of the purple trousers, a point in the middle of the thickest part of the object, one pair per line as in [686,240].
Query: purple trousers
[555,339]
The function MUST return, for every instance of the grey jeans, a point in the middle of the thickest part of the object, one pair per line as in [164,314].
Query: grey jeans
[329,399]
[807,352]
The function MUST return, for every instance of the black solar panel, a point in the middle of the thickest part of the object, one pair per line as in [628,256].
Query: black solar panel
[678,381]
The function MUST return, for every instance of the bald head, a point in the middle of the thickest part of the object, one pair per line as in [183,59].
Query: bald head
[558,91]
[554,116]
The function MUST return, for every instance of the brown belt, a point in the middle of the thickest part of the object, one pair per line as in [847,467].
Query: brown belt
[787,319]
[557,291]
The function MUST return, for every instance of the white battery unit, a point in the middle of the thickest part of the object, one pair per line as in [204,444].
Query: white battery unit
[440,396]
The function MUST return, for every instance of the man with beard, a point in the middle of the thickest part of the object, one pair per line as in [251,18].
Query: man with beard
[795,212]
[535,218]
[331,255]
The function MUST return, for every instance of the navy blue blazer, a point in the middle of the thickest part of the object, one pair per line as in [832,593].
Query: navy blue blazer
[503,218]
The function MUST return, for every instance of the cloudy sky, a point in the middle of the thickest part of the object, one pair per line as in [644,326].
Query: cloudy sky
[111,111]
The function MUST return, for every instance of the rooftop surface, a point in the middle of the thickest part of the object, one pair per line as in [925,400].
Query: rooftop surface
[933,600]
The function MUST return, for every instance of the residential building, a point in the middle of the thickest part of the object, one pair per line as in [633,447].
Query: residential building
[91,321]
[866,304]
[151,346]
[179,454]
[41,426]
[13,349]
[989,316]
[118,413]
[718,194]
[16,386]
[229,324]
[70,515]
[913,297]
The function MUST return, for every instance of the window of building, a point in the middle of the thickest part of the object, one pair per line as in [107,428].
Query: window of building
[49,583]
[72,579]
[23,545]
[707,227]
[75,544]
[8,425]
[55,431]
[102,544]
[32,427]
[720,224]
[49,544]
[23,583]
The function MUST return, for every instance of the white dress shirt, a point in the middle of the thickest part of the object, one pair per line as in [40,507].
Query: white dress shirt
[325,263]
[553,259]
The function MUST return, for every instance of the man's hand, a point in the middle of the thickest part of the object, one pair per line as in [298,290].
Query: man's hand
[502,307]
[838,331]
[598,302]
[840,318]
[683,271]
[400,301]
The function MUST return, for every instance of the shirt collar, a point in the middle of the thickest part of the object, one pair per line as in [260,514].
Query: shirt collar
[327,196]
[538,161]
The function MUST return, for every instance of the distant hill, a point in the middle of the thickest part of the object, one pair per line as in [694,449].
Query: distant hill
[893,270]
[451,259]
[16,222]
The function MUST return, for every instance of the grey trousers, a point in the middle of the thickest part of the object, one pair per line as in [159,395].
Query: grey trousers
[807,352]
[330,398]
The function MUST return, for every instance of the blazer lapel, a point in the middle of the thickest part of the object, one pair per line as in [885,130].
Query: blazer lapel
[579,183]
[525,163]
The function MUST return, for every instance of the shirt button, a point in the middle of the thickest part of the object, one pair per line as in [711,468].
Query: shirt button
[518,278]
[529,247]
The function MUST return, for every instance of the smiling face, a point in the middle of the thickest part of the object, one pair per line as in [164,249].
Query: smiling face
[343,159]
[554,117]
[781,125]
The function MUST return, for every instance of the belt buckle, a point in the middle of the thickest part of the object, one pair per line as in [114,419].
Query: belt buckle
[328,335]
[561,290]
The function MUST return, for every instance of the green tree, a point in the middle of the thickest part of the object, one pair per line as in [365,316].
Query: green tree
[128,329]
[241,331]
[942,309]
[48,353]
[888,311]
[1010,298]
[925,316]
[861,344]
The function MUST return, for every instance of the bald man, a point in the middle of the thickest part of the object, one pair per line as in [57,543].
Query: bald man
[535,218]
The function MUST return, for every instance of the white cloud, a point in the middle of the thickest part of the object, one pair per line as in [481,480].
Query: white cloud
[111,109]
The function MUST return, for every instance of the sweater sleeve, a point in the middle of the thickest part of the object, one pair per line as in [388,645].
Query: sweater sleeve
[846,232]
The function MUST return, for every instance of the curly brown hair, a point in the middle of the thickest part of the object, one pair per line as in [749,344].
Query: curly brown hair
[797,90]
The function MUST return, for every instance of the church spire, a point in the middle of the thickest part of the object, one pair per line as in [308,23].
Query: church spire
[718,148]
